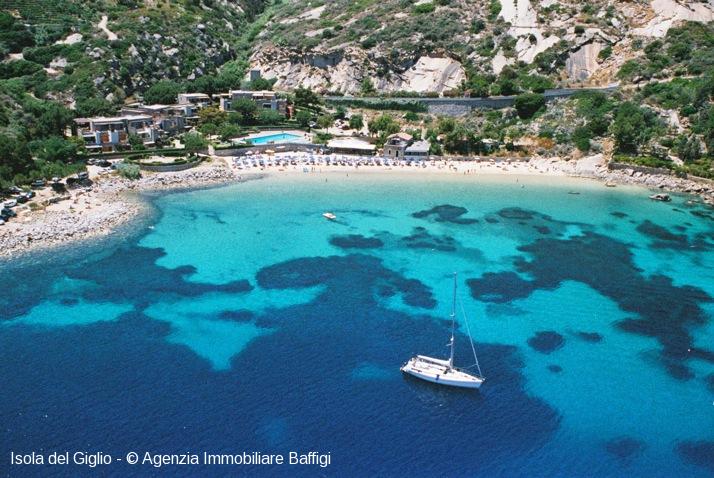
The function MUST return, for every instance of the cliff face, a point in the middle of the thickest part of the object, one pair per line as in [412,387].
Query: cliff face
[430,46]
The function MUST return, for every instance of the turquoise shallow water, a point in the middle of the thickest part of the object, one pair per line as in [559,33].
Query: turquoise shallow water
[243,320]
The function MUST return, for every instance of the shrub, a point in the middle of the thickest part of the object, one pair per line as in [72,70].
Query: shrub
[494,8]
[581,138]
[605,53]
[129,170]
[424,8]
[194,142]
[528,104]
[633,127]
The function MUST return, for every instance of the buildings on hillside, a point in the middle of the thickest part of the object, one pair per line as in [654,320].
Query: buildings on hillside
[155,122]
[110,133]
[263,99]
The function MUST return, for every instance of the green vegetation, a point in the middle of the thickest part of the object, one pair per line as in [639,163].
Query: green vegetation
[356,121]
[129,170]
[528,104]
[194,142]
[415,106]
[633,127]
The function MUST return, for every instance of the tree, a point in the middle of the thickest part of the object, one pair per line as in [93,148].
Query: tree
[194,142]
[163,92]
[340,112]
[324,121]
[16,157]
[54,148]
[208,129]
[13,34]
[94,106]
[261,84]
[356,121]
[528,104]
[303,118]
[270,117]
[306,97]
[50,118]
[204,84]
[689,149]
[228,131]
[212,114]
[384,124]
[247,108]
[632,127]
[137,144]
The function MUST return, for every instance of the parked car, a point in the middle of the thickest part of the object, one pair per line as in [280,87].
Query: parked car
[83,176]
[21,198]
[10,203]
[38,183]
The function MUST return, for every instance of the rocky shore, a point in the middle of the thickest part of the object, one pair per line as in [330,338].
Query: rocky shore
[97,211]
[664,182]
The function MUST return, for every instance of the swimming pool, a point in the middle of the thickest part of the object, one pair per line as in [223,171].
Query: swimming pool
[278,138]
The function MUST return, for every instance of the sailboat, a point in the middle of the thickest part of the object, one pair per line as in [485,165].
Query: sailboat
[442,371]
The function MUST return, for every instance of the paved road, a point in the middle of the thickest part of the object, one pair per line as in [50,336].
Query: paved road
[472,103]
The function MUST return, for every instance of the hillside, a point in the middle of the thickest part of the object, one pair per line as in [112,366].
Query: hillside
[438,45]
[101,51]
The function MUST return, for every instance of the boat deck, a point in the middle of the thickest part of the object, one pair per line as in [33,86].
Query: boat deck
[438,371]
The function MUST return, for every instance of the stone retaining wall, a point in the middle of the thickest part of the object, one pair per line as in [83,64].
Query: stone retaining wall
[168,168]
[639,169]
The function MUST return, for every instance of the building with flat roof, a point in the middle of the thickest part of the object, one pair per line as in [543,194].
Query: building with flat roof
[351,146]
[417,151]
[264,99]
[111,133]
[169,120]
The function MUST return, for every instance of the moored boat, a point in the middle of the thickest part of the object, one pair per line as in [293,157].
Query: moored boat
[661,197]
[329,216]
[443,371]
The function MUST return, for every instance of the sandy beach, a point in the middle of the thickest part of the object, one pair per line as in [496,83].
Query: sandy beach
[111,201]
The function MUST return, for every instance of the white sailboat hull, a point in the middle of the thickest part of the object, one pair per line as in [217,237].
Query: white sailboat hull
[438,371]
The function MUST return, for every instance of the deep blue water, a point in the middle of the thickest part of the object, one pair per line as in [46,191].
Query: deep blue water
[241,320]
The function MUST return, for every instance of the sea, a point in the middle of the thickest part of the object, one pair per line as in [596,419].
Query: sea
[238,321]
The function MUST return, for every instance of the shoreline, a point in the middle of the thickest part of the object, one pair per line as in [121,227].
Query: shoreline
[112,202]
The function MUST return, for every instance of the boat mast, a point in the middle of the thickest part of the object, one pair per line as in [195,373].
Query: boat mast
[453,325]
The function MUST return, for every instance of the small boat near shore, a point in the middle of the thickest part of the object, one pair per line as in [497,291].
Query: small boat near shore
[661,197]
[441,371]
[329,216]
